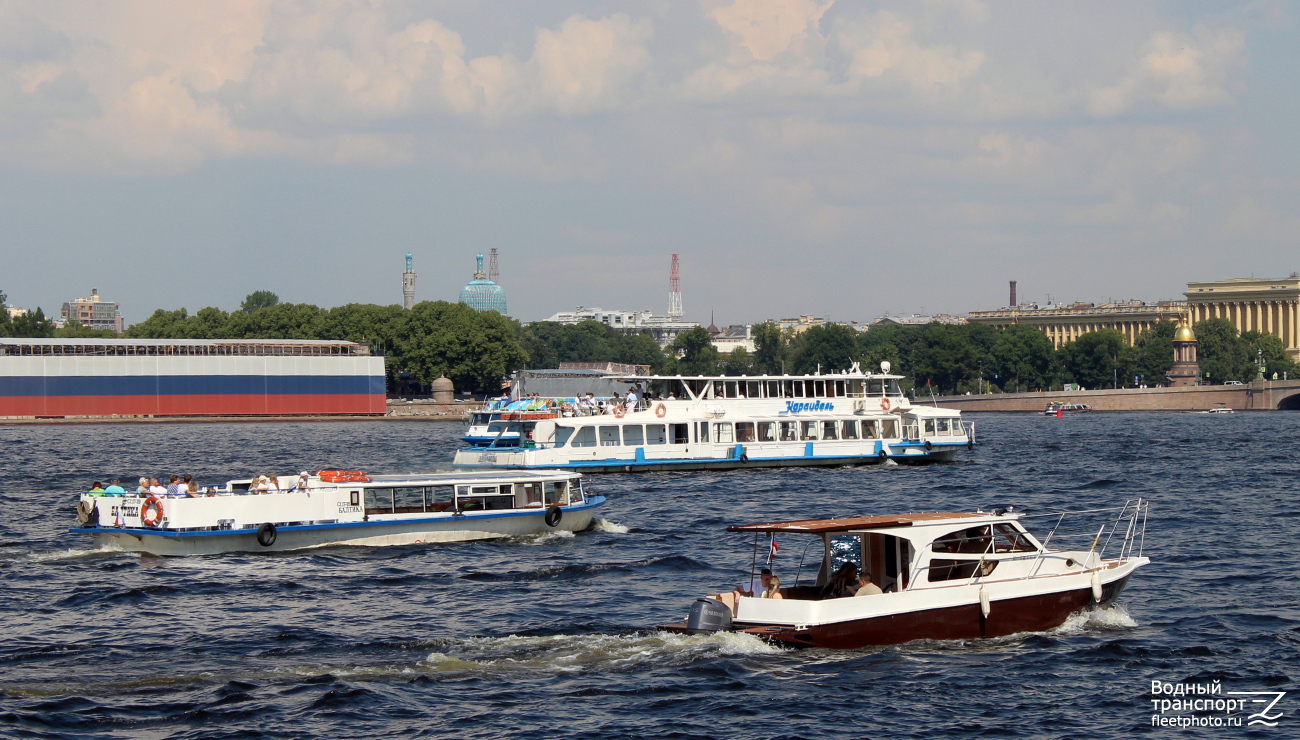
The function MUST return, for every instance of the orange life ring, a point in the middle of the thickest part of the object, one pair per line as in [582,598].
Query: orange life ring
[884,404]
[661,411]
[152,504]
[619,411]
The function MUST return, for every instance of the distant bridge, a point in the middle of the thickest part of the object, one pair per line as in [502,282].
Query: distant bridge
[1259,395]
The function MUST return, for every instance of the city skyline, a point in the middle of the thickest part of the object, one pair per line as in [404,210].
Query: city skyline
[839,159]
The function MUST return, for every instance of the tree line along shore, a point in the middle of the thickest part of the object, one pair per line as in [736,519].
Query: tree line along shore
[476,350]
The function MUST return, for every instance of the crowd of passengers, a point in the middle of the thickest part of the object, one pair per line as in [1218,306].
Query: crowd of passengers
[184,486]
[636,399]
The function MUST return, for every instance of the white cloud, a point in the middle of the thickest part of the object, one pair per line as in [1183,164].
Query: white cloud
[1176,70]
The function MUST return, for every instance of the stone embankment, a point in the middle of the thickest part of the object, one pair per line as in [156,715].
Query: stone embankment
[1260,395]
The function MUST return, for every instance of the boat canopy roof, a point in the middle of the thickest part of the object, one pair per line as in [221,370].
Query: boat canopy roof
[821,526]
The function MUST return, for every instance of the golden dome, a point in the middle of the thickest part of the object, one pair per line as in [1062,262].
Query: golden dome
[1184,334]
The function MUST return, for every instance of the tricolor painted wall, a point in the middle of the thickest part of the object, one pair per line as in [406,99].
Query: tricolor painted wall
[181,386]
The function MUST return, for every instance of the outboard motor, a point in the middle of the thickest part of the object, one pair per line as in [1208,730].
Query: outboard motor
[708,615]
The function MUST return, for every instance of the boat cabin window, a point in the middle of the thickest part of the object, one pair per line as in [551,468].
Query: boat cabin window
[855,388]
[485,497]
[829,430]
[556,493]
[744,431]
[929,427]
[850,430]
[792,389]
[697,387]
[944,429]
[959,570]
[875,388]
[585,437]
[702,431]
[766,431]
[888,428]
[754,389]
[441,498]
[1009,539]
[839,389]
[773,389]
[681,433]
[732,391]
[529,495]
[409,500]
[633,435]
[807,430]
[575,491]
[819,388]
[719,389]
[609,436]
[869,430]
[562,435]
[656,434]
[788,431]
[379,501]
[971,541]
[891,387]
[722,432]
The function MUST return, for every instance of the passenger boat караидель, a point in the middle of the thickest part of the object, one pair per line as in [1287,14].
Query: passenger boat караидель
[891,579]
[340,508]
[717,422]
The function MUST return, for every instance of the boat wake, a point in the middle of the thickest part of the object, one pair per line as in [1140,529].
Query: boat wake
[603,525]
[573,653]
[1113,618]
[69,554]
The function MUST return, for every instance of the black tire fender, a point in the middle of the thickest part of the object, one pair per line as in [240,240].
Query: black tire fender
[266,535]
[882,454]
[928,445]
[553,516]
[744,457]
[970,444]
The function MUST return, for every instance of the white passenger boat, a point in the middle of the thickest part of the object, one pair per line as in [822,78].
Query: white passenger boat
[943,576]
[721,422]
[342,508]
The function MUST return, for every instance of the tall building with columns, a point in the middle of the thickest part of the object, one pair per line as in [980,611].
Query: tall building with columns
[1251,304]
[1064,324]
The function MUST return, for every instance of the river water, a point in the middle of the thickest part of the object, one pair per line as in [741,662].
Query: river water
[550,636]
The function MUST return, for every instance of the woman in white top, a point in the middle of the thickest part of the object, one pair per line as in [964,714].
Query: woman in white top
[263,484]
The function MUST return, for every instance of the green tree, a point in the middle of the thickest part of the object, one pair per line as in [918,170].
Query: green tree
[1220,351]
[1153,353]
[830,346]
[738,362]
[75,330]
[698,356]
[31,325]
[769,349]
[944,357]
[258,299]
[1269,347]
[162,324]
[1098,359]
[5,323]
[639,349]
[475,349]
[1022,357]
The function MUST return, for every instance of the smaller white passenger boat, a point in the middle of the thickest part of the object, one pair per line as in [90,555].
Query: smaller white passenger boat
[341,508]
[1220,408]
[943,576]
[1061,409]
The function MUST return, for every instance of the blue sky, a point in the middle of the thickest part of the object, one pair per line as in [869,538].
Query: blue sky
[803,156]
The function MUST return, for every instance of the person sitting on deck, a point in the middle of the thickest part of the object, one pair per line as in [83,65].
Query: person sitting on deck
[156,488]
[843,583]
[174,486]
[303,478]
[866,587]
[757,587]
[96,488]
[115,488]
[774,589]
[192,490]
[273,481]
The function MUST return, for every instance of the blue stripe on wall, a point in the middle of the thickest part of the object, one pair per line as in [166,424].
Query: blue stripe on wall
[186,385]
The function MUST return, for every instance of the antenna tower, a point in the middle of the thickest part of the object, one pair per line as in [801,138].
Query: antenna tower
[675,292]
[493,274]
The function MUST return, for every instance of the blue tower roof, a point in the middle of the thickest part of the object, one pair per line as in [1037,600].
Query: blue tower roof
[482,294]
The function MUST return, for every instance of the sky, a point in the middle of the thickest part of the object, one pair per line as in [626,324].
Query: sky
[842,159]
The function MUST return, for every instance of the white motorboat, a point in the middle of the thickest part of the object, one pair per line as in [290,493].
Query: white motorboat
[723,422]
[943,576]
[341,508]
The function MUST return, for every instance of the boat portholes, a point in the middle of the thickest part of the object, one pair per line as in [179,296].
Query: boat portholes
[1069,562]
[553,516]
[266,535]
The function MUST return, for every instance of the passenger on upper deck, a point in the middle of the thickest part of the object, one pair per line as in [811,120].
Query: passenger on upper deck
[192,489]
[156,488]
[95,488]
[303,478]
[115,488]
[174,486]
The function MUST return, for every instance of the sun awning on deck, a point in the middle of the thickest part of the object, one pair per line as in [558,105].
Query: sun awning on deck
[819,526]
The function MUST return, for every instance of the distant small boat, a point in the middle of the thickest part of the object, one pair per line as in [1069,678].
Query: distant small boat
[1061,409]
[1220,409]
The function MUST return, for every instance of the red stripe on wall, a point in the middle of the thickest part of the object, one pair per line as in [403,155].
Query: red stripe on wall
[193,405]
